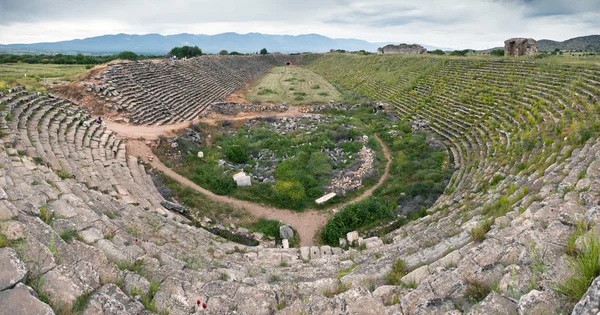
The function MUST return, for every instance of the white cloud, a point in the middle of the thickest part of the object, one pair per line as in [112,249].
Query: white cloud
[459,24]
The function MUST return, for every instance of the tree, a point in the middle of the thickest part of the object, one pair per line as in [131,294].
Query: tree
[186,52]
[223,52]
[263,51]
[234,53]
[438,52]
[127,55]
[497,52]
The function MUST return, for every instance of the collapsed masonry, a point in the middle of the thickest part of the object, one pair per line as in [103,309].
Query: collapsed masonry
[402,49]
[516,47]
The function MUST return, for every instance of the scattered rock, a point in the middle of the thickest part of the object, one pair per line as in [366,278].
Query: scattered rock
[286,232]
[174,207]
[12,269]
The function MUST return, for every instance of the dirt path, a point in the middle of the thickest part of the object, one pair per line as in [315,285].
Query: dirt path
[307,223]
[153,132]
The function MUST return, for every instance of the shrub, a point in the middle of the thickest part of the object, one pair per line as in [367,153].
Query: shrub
[315,87]
[497,52]
[364,214]
[289,193]
[399,270]
[267,227]
[236,154]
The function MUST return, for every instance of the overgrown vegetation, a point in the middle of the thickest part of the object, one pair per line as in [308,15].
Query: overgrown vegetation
[586,267]
[302,170]
[367,213]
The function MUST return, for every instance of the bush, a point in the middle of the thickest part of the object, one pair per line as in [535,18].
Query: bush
[289,194]
[438,52]
[223,52]
[267,227]
[236,154]
[360,215]
[497,52]
[263,51]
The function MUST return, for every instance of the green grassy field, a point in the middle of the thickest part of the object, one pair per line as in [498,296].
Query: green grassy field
[30,75]
[294,85]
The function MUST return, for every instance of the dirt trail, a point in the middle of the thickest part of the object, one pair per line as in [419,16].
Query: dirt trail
[307,223]
[153,132]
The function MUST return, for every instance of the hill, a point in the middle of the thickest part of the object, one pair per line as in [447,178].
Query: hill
[589,43]
[160,44]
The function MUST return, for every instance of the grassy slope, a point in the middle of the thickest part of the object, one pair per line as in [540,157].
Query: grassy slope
[294,85]
[14,74]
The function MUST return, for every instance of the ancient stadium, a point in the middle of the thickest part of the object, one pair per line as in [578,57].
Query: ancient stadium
[341,183]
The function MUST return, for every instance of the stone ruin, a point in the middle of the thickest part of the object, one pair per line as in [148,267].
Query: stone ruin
[402,49]
[516,47]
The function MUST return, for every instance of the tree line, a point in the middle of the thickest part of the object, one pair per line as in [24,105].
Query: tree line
[80,59]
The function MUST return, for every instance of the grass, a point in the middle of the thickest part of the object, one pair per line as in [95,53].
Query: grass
[580,229]
[135,266]
[81,303]
[399,270]
[340,288]
[586,267]
[476,290]
[343,272]
[480,230]
[148,298]
[14,74]
[46,215]
[64,174]
[294,85]
[68,235]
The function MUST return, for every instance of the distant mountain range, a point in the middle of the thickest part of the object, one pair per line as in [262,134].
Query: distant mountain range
[156,44]
[590,43]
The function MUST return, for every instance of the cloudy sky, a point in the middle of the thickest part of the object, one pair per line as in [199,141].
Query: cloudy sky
[456,23]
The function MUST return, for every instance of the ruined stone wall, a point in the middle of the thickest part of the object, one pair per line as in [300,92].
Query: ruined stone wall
[516,47]
[403,49]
